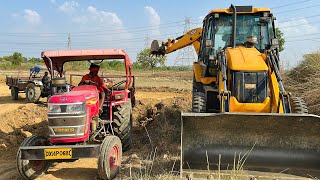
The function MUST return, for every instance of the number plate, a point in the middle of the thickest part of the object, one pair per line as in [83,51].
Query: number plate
[64,130]
[58,153]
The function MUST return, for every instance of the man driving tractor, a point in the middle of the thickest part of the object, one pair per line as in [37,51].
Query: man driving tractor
[93,79]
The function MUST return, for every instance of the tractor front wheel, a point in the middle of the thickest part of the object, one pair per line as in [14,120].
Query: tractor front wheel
[109,161]
[31,169]
[33,93]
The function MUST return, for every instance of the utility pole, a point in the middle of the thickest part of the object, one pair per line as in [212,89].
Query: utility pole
[69,41]
[185,56]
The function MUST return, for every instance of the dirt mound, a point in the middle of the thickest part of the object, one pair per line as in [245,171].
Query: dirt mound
[156,135]
[16,125]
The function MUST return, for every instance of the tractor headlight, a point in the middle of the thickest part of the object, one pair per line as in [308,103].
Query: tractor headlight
[54,108]
[75,108]
[118,96]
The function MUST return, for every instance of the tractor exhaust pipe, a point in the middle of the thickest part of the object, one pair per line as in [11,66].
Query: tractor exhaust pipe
[234,24]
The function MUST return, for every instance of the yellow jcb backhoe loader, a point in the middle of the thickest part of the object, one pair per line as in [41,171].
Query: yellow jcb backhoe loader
[242,114]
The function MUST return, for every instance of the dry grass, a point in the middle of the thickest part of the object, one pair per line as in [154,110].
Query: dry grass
[304,81]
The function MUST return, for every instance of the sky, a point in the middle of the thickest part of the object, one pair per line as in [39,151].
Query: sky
[33,26]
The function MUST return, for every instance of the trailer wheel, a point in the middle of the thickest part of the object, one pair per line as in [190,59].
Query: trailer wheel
[14,93]
[198,102]
[31,169]
[122,125]
[298,105]
[109,161]
[33,93]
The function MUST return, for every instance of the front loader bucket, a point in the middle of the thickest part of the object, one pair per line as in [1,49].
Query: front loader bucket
[266,142]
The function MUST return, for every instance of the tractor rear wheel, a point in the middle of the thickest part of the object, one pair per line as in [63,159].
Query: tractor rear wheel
[31,169]
[14,93]
[109,161]
[298,105]
[198,102]
[33,93]
[122,124]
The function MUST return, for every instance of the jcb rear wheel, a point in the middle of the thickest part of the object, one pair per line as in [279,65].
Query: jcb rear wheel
[109,161]
[31,169]
[123,124]
[298,105]
[198,102]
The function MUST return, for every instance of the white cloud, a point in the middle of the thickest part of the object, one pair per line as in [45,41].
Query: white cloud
[53,1]
[297,33]
[69,6]
[297,27]
[201,18]
[103,16]
[154,19]
[32,16]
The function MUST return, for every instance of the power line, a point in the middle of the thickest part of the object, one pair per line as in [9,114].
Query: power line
[298,9]
[290,4]
[284,21]
[133,29]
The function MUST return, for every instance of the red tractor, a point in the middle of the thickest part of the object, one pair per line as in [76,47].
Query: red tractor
[76,127]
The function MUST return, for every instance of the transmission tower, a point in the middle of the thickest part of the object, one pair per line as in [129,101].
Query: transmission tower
[185,56]
[147,41]
[69,41]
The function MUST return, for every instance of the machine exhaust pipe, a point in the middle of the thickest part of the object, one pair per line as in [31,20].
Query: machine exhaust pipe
[234,24]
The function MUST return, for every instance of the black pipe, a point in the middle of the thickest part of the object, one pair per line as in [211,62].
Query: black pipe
[257,157]
[234,23]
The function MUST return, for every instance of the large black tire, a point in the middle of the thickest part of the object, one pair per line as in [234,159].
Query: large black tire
[109,161]
[33,93]
[31,169]
[298,105]
[122,125]
[14,93]
[198,102]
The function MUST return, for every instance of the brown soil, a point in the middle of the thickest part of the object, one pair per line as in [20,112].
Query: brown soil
[153,110]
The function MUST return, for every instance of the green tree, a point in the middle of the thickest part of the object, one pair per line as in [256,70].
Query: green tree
[281,39]
[149,62]
[17,59]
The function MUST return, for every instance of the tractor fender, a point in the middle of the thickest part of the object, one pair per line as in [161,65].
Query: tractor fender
[37,83]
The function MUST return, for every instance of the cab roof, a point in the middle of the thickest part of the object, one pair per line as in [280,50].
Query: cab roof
[79,55]
[59,57]
[240,10]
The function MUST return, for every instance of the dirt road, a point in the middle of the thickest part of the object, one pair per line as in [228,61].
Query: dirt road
[19,118]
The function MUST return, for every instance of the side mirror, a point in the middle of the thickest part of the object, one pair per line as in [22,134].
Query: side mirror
[209,43]
[264,19]
[274,43]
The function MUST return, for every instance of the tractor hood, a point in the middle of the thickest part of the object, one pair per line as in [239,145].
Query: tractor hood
[78,94]
[245,59]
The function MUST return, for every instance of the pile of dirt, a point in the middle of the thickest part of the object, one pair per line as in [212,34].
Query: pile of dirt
[16,125]
[156,133]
